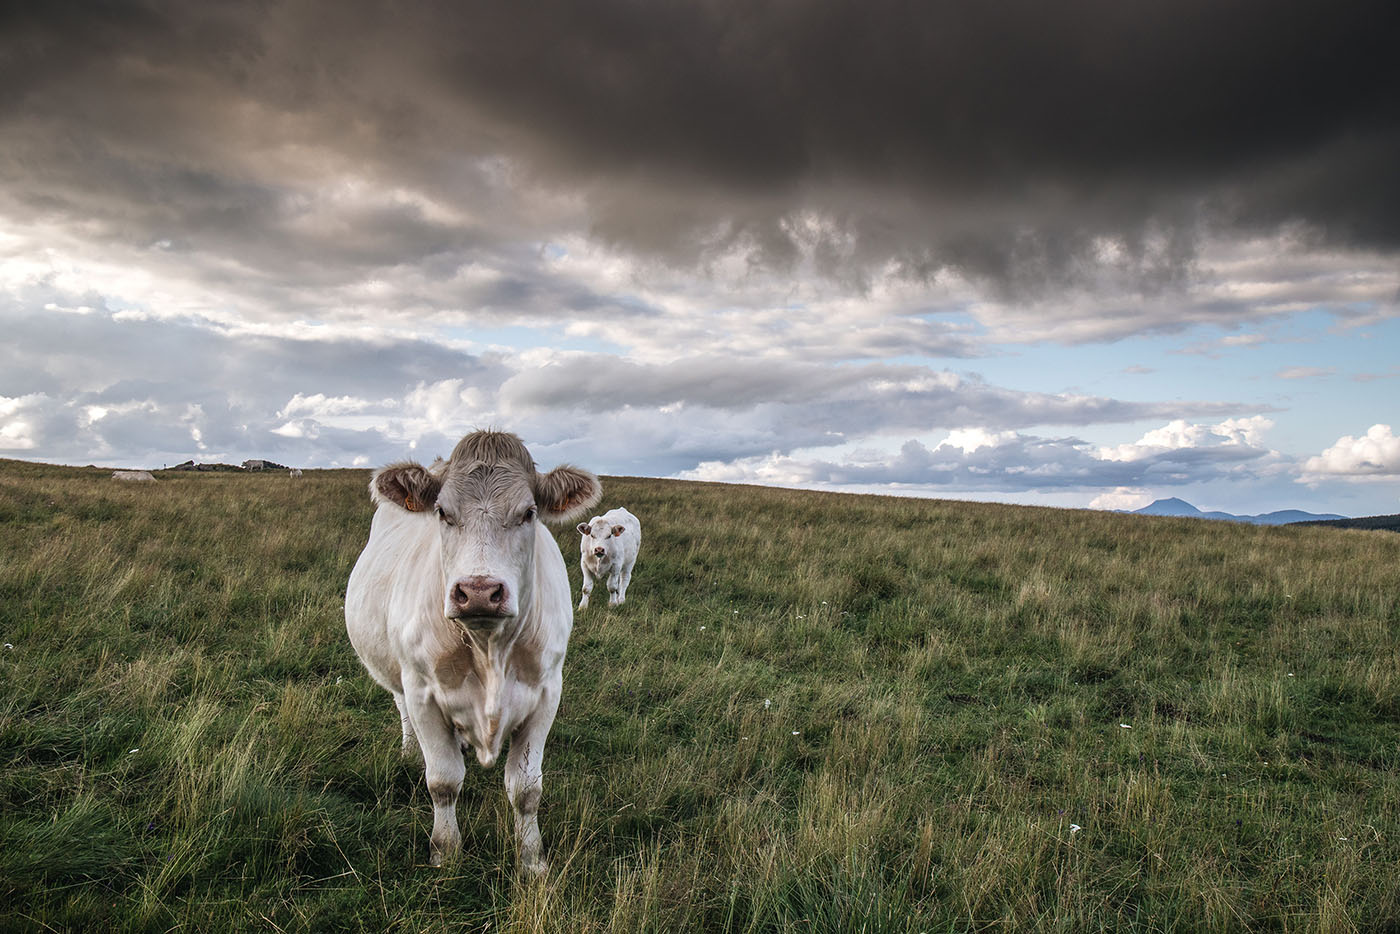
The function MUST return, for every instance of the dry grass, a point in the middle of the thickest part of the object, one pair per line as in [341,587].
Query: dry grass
[815,712]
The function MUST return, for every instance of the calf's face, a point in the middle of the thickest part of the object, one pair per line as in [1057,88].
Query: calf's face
[601,540]
[486,516]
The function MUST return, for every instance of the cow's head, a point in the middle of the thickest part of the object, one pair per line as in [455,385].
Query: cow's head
[600,540]
[487,500]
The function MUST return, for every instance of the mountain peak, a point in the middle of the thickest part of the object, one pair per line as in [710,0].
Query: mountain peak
[1174,506]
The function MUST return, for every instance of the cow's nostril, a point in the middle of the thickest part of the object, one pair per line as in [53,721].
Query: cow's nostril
[479,595]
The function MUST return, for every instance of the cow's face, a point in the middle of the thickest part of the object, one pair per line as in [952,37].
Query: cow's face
[600,540]
[487,513]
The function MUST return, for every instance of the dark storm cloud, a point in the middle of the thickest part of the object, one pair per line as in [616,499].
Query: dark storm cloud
[100,358]
[996,139]
[704,407]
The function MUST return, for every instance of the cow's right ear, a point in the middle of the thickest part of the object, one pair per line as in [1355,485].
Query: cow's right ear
[584,529]
[566,493]
[407,485]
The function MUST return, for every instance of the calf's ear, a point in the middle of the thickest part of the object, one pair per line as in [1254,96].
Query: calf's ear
[407,485]
[584,529]
[566,492]
[617,530]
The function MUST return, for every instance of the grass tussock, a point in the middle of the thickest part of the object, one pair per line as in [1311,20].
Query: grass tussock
[815,712]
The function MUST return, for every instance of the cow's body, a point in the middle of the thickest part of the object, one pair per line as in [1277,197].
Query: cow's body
[608,549]
[459,606]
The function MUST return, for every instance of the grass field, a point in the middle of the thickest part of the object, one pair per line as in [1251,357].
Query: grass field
[815,712]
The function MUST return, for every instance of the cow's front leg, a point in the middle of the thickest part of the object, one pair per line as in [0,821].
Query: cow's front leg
[626,580]
[525,783]
[587,587]
[615,588]
[444,770]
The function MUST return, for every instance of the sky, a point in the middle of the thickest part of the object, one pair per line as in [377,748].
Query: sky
[1088,253]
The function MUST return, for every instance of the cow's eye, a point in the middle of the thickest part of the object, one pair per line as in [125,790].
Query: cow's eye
[442,515]
[529,516]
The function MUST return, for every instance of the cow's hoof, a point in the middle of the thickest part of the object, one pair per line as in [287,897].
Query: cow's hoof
[536,868]
[442,855]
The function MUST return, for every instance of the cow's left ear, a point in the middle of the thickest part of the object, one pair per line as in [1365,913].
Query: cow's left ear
[566,492]
[617,530]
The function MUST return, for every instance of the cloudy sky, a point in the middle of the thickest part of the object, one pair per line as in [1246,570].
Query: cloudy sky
[1081,253]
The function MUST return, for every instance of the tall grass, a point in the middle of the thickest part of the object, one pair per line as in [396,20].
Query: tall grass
[815,712]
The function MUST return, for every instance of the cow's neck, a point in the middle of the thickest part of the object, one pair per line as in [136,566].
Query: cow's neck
[488,655]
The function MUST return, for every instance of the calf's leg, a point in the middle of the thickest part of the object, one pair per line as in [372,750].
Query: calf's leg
[587,587]
[404,723]
[626,580]
[616,592]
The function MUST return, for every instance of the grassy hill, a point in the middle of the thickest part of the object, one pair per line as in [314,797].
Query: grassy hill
[815,712]
[1390,523]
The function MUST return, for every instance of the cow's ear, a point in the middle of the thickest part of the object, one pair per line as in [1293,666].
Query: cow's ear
[408,486]
[585,529]
[566,493]
[617,530]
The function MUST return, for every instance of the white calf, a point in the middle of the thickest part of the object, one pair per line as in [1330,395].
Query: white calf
[608,549]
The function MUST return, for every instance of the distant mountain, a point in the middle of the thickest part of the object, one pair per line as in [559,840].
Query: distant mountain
[1179,507]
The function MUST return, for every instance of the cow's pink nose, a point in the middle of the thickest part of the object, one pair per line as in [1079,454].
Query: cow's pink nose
[479,596]
[600,552]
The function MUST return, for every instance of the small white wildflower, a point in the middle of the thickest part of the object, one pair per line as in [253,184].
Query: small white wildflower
[9,645]
[767,703]
[130,751]
[796,732]
[1343,839]
[702,628]
[1074,828]
[1290,674]
[736,612]
[823,603]
[337,679]
[1125,726]
[801,616]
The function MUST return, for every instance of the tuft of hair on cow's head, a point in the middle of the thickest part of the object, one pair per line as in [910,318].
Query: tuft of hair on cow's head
[566,492]
[407,485]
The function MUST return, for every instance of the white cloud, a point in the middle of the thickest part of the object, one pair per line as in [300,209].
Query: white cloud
[1244,434]
[1009,461]
[1122,498]
[1376,454]
[1304,372]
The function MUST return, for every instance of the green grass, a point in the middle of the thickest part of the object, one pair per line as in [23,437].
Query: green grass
[815,712]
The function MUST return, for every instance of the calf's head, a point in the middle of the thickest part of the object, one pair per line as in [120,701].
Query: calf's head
[487,500]
[600,539]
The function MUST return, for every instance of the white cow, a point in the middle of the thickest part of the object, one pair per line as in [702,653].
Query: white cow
[608,549]
[459,607]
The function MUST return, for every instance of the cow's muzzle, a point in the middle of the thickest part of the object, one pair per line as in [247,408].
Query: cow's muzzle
[479,598]
[599,552]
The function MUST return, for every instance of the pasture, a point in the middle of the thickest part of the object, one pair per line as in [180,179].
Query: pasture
[814,712]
